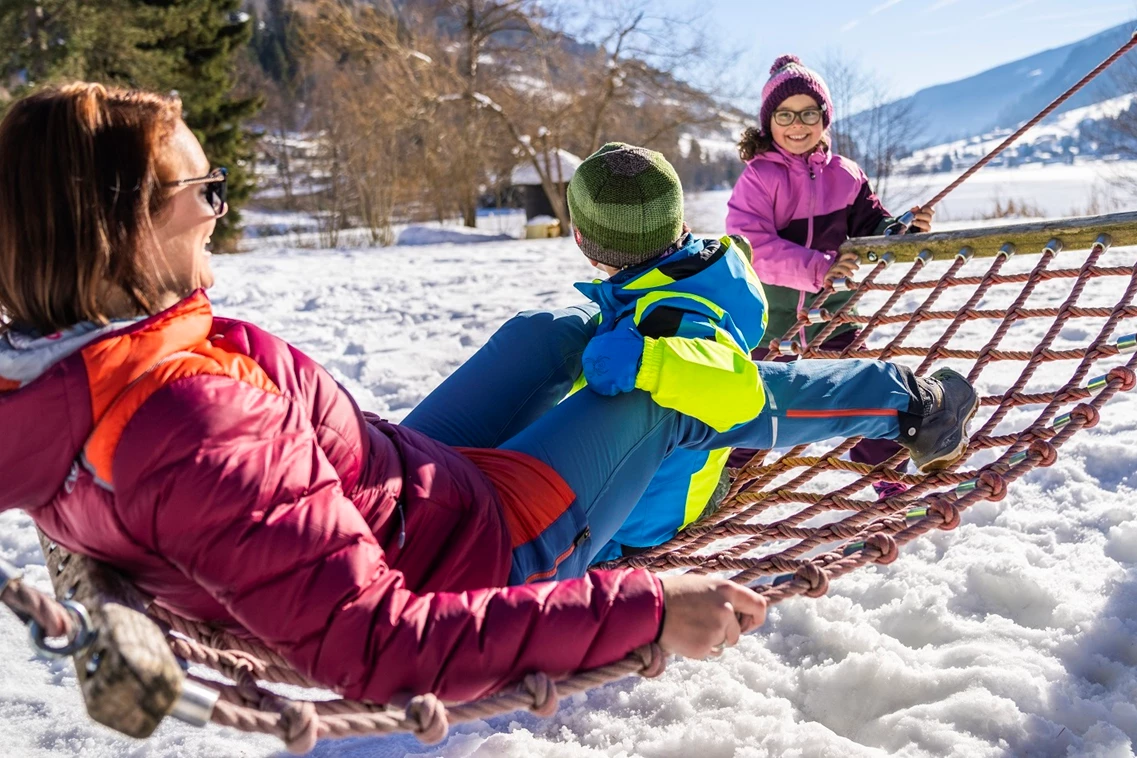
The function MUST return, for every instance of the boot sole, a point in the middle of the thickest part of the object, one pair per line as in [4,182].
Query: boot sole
[939,464]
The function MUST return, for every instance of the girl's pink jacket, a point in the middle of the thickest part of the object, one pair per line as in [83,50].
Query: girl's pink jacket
[797,210]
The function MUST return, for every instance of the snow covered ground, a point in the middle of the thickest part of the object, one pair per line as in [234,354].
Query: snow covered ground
[1015,634]
[1053,190]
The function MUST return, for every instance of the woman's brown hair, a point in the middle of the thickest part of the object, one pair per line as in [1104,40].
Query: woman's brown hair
[79,187]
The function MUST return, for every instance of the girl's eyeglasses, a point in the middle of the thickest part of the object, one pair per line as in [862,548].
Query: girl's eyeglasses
[215,188]
[809,117]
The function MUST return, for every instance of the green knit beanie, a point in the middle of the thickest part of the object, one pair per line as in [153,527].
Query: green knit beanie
[626,204]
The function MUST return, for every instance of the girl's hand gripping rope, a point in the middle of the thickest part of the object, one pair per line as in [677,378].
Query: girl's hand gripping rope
[844,267]
[918,219]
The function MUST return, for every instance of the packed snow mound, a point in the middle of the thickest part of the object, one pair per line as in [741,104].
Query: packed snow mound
[440,235]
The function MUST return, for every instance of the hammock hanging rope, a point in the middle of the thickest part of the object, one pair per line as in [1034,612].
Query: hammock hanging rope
[902,224]
[789,525]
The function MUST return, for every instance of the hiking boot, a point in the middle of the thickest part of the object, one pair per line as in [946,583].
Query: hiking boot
[935,429]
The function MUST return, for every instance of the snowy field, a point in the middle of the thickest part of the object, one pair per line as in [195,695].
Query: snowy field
[1015,634]
[1055,191]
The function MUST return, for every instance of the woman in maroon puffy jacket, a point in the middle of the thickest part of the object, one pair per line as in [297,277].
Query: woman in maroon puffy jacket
[233,480]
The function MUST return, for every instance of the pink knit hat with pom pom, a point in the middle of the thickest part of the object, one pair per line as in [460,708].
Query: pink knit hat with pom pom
[788,77]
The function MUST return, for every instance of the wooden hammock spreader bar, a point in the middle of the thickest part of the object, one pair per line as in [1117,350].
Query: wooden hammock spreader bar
[1077,233]
[769,532]
[129,678]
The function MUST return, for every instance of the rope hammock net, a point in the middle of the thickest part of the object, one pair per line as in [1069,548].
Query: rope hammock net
[792,521]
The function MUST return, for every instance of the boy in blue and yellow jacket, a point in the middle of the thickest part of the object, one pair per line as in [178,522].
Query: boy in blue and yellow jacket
[678,321]
[679,317]
[690,318]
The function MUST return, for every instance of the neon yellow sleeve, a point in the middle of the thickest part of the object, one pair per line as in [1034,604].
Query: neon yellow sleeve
[711,380]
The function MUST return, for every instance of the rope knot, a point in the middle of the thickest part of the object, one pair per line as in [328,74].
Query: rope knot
[654,660]
[544,692]
[884,543]
[299,726]
[943,507]
[1124,375]
[1087,414]
[815,577]
[1044,452]
[241,671]
[995,483]
[428,715]
[245,664]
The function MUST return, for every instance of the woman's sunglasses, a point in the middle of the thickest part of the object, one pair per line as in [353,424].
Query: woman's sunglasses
[809,117]
[215,188]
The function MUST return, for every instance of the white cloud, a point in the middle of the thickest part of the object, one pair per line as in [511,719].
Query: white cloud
[884,6]
[850,26]
[942,4]
[1080,13]
[1007,9]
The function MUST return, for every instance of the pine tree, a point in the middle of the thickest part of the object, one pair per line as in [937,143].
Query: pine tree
[276,44]
[190,46]
[202,39]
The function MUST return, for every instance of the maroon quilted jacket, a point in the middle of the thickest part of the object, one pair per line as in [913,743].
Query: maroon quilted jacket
[232,479]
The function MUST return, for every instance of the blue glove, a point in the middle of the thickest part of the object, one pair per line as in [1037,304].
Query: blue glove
[612,360]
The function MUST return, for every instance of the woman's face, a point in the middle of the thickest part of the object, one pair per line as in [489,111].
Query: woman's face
[797,138]
[186,222]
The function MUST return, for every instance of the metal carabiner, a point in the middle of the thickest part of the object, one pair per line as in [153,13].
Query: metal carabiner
[84,634]
[900,225]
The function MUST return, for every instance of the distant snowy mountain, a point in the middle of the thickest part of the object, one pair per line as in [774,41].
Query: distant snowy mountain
[1067,137]
[1005,96]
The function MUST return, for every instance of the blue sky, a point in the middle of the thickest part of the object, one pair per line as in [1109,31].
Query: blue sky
[910,43]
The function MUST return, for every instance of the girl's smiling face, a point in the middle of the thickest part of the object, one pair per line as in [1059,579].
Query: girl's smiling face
[798,138]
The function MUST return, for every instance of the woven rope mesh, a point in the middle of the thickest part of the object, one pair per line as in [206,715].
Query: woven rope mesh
[1038,334]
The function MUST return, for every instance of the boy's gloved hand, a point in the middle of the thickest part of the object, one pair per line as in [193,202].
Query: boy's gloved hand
[612,360]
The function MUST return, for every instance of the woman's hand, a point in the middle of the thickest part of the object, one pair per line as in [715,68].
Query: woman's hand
[844,267]
[704,615]
[923,220]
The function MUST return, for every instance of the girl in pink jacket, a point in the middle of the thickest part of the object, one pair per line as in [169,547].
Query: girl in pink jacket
[796,202]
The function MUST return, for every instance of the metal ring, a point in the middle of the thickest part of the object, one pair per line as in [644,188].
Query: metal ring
[84,633]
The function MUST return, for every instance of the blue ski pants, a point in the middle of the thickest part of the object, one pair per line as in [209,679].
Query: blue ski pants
[511,395]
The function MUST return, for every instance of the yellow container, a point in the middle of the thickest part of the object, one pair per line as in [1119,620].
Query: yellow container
[542,230]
